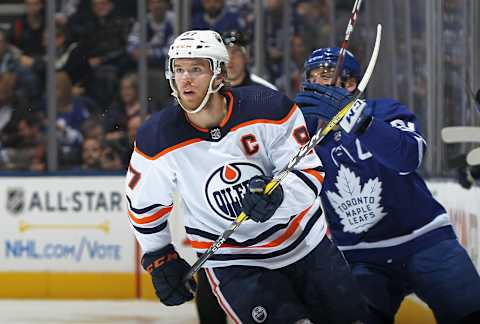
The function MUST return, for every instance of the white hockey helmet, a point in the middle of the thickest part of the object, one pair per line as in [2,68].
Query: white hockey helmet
[206,44]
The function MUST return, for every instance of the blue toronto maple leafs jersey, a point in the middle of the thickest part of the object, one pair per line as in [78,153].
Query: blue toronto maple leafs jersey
[376,204]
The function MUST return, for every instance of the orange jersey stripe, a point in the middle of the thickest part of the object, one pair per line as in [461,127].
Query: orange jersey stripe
[172,148]
[150,218]
[288,233]
[316,174]
[196,140]
[282,238]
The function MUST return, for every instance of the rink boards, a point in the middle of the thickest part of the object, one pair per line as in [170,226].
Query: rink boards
[69,237]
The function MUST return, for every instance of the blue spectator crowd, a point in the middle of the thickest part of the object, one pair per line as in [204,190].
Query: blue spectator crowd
[97,51]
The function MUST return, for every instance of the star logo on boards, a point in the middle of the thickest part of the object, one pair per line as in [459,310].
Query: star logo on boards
[358,208]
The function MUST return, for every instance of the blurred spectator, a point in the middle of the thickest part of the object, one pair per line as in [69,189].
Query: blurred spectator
[245,10]
[8,124]
[127,106]
[28,153]
[97,157]
[65,9]
[315,26]
[160,23]
[298,54]
[93,127]
[26,86]
[72,112]
[237,69]
[133,124]
[104,34]
[9,54]
[274,38]
[29,29]
[91,154]
[71,58]
[217,16]
[116,149]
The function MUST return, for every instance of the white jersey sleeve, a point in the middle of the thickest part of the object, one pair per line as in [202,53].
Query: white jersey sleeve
[149,188]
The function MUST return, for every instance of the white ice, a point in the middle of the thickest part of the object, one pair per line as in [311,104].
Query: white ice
[94,312]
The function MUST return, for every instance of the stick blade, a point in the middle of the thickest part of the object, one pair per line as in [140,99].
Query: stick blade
[461,134]
[473,157]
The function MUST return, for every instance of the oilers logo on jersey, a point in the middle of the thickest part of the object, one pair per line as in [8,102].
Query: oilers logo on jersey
[358,207]
[226,187]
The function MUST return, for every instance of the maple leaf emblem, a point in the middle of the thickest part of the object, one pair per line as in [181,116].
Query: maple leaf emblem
[359,208]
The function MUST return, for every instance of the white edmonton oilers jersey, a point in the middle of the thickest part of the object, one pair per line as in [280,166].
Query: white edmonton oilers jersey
[210,169]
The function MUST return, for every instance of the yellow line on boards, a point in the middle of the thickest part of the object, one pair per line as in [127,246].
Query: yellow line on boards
[24,226]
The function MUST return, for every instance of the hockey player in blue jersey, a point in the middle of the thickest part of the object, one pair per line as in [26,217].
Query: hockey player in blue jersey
[395,235]
[218,148]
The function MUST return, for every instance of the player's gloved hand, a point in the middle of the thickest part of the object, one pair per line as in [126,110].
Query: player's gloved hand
[168,269]
[258,206]
[324,101]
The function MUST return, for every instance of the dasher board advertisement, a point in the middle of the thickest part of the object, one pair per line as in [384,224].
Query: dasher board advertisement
[76,224]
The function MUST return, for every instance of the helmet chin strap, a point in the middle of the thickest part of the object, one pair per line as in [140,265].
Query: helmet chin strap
[205,99]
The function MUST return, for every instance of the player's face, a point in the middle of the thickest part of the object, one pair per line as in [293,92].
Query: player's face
[192,78]
[237,64]
[324,76]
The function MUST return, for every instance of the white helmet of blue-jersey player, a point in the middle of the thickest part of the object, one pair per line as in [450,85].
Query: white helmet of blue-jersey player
[206,44]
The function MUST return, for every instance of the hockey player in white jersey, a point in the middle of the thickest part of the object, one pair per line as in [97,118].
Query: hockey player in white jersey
[237,43]
[215,145]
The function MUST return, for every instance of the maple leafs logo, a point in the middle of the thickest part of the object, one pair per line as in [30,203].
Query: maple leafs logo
[359,208]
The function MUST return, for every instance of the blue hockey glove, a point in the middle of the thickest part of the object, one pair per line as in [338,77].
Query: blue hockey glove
[358,118]
[323,101]
[258,206]
[168,269]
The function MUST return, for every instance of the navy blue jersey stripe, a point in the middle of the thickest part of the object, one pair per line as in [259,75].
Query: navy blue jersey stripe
[151,230]
[306,230]
[259,238]
[249,103]
[307,181]
[142,210]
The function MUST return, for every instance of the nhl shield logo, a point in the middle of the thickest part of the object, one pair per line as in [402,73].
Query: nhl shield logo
[215,133]
[15,200]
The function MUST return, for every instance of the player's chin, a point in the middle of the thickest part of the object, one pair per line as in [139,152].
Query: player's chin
[189,102]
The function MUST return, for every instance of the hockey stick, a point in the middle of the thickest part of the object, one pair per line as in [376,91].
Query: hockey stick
[344,46]
[304,150]
[473,157]
[461,134]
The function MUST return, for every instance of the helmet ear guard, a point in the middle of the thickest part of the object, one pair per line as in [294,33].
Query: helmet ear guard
[203,44]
